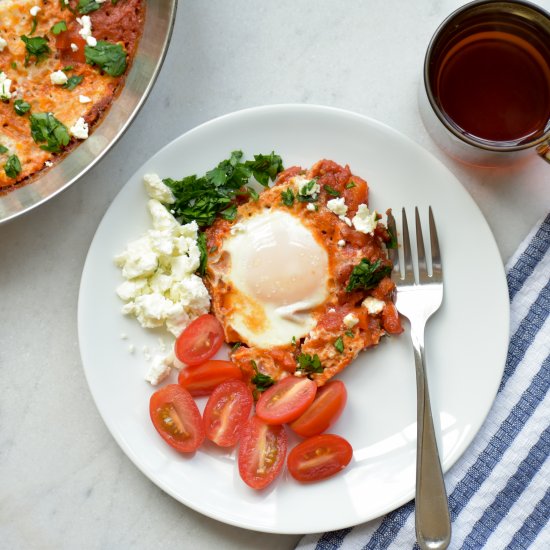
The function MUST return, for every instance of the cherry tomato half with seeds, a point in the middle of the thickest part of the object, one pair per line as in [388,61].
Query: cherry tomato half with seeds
[176,418]
[262,453]
[203,379]
[200,340]
[286,400]
[227,412]
[324,411]
[319,457]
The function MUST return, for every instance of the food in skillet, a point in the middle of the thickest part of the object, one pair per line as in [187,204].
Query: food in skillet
[62,62]
[296,278]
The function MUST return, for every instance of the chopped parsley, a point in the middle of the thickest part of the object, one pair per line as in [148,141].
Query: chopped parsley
[12,166]
[201,243]
[33,26]
[203,198]
[3,149]
[339,344]
[87,6]
[236,346]
[393,239]
[59,27]
[265,167]
[73,82]
[288,197]
[366,275]
[349,333]
[331,191]
[304,195]
[293,341]
[260,380]
[309,364]
[253,193]
[350,185]
[46,128]
[21,107]
[13,65]
[36,47]
[110,58]
[67,68]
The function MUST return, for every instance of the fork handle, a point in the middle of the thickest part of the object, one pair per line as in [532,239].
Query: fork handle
[433,523]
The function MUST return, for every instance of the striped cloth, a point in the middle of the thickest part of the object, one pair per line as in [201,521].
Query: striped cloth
[499,490]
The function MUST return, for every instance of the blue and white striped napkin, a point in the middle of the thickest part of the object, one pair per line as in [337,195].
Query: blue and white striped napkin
[499,490]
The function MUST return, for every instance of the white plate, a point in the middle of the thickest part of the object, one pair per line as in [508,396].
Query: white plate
[466,340]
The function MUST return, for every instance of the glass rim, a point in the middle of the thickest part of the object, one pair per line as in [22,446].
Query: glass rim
[479,143]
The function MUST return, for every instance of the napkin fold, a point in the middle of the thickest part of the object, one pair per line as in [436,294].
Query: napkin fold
[499,490]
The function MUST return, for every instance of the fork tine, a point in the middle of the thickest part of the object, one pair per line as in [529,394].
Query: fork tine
[421,252]
[393,253]
[407,255]
[437,271]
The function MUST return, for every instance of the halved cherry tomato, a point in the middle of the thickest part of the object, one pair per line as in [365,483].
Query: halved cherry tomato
[262,453]
[176,418]
[203,379]
[324,411]
[319,457]
[200,340]
[286,400]
[227,412]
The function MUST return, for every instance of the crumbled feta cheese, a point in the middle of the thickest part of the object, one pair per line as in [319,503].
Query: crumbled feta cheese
[86,31]
[34,10]
[161,287]
[311,207]
[341,243]
[5,85]
[3,44]
[346,220]
[58,78]
[305,187]
[48,164]
[74,47]
[332,310]
[364,221]
[91,41]
[238,228]
[146,353]
[158,371]
[350,320]
[79,129]
[337,206]
[157,189]
[373,305]
[84,99]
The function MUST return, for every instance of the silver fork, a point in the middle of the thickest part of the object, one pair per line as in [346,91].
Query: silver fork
[418,299]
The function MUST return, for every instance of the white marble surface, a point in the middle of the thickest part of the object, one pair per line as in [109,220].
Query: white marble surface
[64,481]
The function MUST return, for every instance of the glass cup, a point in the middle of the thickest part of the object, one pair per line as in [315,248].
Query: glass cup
[485,98]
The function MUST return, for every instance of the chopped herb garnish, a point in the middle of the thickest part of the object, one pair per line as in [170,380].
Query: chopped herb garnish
[366,275]
[3,149]
[350,185]
[213,249]
[265,167]
[293,341]
[87,6]
[339,344]
[59,27]
[36,47]
[331,191]
[260,380]
[21,107]
[304,193]
[33,26]
[67,68]
[12,166]
[203,198]
[253,193]
[393,239]
[73,82]
[288,197]
[309,364]
[110,58]
[349,333]
[229,213]
[236,346]
[201,243]
[13,65]
[46,128]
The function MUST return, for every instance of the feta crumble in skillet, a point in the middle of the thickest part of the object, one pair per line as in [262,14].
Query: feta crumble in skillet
[294,276]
